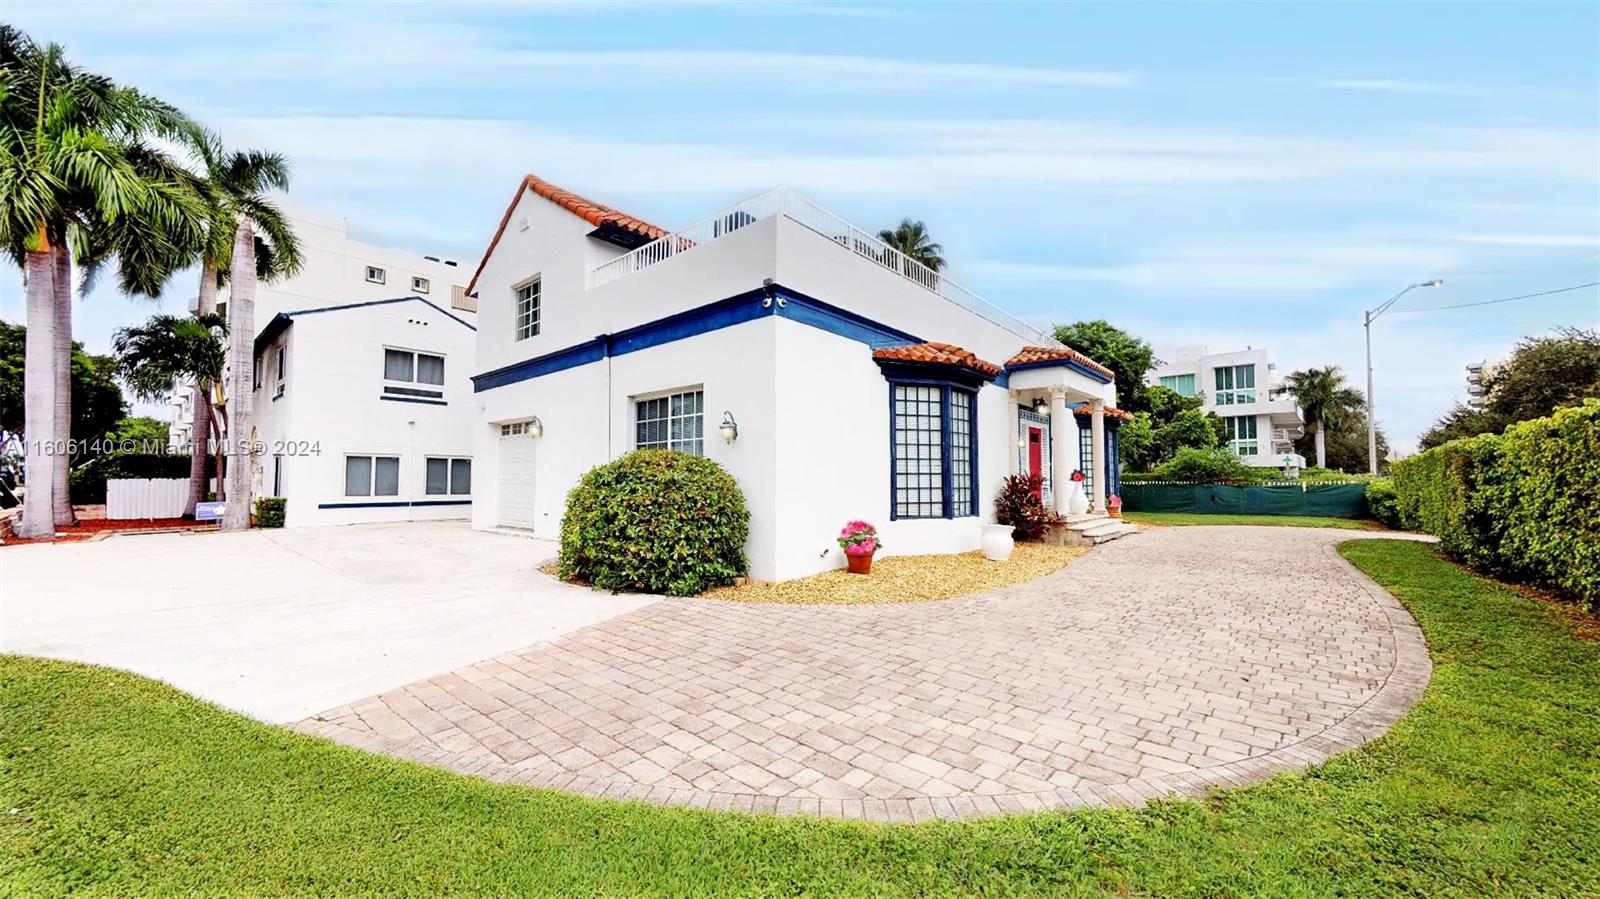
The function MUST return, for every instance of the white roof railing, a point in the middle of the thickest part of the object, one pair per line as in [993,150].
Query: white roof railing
[783,202]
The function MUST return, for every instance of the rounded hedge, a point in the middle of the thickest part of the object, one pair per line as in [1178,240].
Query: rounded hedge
[655,521]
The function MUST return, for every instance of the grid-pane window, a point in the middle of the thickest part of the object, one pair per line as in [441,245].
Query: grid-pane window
[1236,384]
[675,422]
[961,492]
[918,451]
[1241,430]
[1086,458]
[528,310]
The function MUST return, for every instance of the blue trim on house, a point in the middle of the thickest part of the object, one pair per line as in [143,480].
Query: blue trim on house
[397,505]
[1073,364]
[724,313]
[412,399]
[550,363]
[931,373]
[280,322]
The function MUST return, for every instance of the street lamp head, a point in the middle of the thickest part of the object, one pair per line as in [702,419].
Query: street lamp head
[1436,282]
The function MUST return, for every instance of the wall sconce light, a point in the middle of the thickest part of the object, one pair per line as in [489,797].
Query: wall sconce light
[1041,406]
[535,427]
[730,428]
[1021,443]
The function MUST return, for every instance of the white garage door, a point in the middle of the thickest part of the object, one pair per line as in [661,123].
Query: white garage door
[516,480]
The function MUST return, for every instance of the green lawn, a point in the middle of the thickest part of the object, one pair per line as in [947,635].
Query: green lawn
[1290,521]
[116,785]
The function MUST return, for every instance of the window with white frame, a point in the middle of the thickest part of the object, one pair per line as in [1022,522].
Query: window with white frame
[675,422]
[514,429]
[371,475]
[448,476]
[1182,384]
[376,275]
[1241,431]
[1236,384]
[420,285]
[412,373]
[933,451]
[282,372]
[528,299]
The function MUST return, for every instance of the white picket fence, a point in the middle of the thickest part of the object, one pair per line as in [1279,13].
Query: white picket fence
[146,497]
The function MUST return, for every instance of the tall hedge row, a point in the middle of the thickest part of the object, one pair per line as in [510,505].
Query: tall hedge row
[1523,505]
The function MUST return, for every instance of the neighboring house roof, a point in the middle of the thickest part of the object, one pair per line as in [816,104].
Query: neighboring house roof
[612,223]
[1033,356]
[933,353]
[280,322]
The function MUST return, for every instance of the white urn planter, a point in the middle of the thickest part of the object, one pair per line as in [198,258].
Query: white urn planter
[996,542]
[1077,503]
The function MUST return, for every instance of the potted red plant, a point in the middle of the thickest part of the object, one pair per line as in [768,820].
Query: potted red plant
[859,540]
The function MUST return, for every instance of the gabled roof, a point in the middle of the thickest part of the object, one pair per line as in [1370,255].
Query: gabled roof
[281,322]
[603,217]
[933,353]
[1035,356]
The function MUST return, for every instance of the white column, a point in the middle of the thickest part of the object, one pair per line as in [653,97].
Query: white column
[1015,424]
[1097,452]
[1061,446]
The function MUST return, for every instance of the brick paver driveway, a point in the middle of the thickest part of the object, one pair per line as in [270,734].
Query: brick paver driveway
[1171,661]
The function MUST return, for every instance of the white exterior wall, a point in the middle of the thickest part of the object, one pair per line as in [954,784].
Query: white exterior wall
[331,408]
[812,406]
[1269,413]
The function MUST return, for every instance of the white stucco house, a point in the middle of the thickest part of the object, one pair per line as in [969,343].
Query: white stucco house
[362,391]
[1242,388]
[832,377]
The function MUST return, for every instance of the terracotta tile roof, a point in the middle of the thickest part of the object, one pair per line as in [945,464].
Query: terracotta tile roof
[1111,412]
[1032,355]
[596,214]
[938,354]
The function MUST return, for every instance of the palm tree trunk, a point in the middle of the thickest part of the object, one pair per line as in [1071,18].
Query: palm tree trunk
[61,496]
[39,395]
[241,361]
[199,428]
[1322,449]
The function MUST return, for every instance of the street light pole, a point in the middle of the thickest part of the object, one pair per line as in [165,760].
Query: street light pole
[1372,405]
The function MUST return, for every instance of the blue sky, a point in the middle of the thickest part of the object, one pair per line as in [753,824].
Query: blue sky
[1233,175]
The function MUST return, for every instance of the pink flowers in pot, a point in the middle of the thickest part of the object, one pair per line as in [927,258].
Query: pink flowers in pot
[1114,501]
[858,538]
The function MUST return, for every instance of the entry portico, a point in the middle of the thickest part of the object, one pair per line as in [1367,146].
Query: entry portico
[1062,381]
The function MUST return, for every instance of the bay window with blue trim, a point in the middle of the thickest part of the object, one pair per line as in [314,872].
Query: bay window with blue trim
[933,449]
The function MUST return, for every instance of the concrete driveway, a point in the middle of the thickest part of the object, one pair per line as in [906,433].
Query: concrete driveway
[279,624]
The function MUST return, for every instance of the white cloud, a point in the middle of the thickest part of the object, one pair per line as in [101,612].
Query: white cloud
[1397,86]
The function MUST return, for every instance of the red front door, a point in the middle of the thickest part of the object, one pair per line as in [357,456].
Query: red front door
[1036,459]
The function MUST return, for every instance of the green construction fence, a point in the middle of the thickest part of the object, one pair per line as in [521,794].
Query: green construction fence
[1340,500]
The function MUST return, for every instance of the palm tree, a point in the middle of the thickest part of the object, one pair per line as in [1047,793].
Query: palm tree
[1323,397]
[911,238]
[235,184]
[74,172]
[169,349]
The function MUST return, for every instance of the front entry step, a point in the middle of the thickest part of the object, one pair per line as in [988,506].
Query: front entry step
[1090,530]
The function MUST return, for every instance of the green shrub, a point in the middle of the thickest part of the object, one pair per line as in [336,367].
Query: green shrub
[1383,503]
[1195,464]
[655,521]
[87,483]
[270,511]
[1019,506]
[1524,505]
